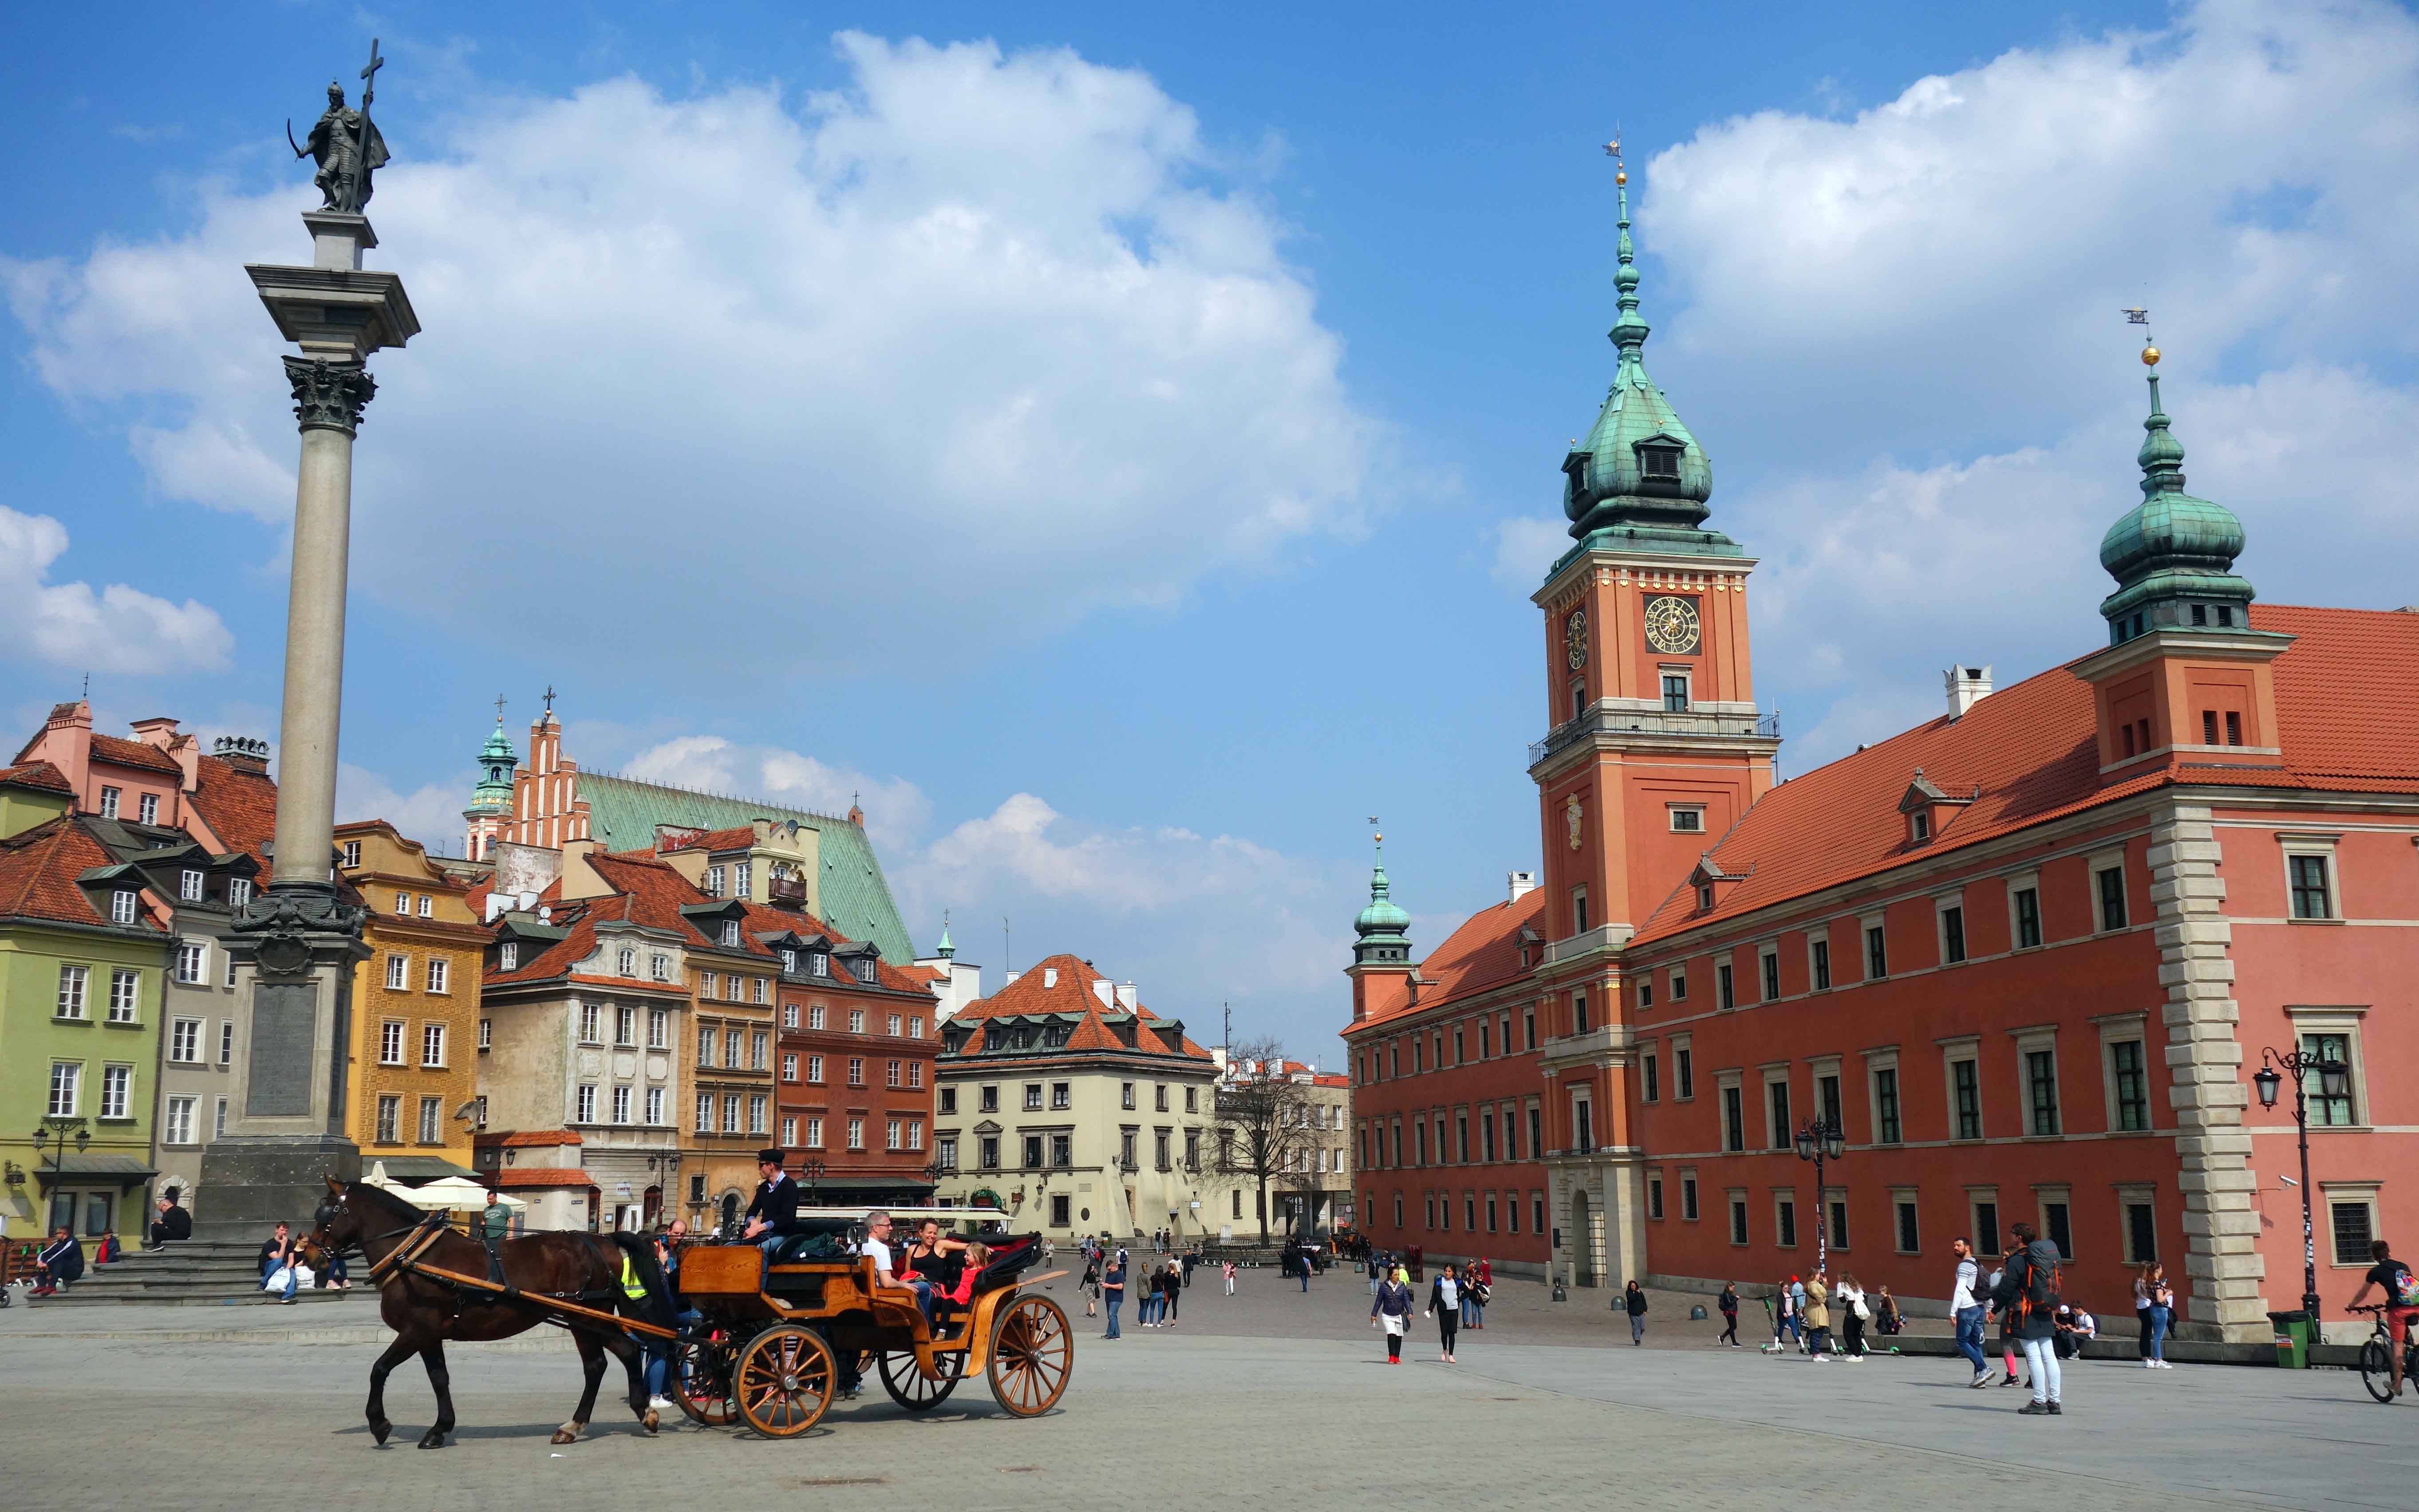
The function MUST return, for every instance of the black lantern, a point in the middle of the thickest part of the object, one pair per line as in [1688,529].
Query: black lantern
[2269,1082]
[2334,1077]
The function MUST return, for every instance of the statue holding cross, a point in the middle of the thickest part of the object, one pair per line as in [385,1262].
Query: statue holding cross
[346,144]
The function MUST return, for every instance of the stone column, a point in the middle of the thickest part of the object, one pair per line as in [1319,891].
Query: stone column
[301,938]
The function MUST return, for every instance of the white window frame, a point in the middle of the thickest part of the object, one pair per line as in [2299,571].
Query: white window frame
[398,973]
[432,1121]
[2109,861]
[193,963]
[116,1091]
[125,995]
[660,1028]
[189,885]
[626,962]
[1941,904]
[185,1042]
[147,809]
[654,1107]
[583,1103]
[2346,1021]
[352,854]
[432,1044]
[2031,1040]
[390,1033]
[121,907]
[178,1119]
[2290,846]
[2026,882]
[65,1097]
[621,1102]
[75,989]
[239,891]
[440,974]
[109,801]
[1696,813]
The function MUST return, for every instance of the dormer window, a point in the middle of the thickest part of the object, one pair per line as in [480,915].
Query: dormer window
[789,963]
[627,962]
[189,886]
[508,955]
[1920,827]
[730,932]
[862,968]
[1658,463]
[1704,897]
[121,907]
[818,964]
[352,854]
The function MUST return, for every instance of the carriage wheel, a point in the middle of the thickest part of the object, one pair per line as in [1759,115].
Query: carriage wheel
[701,1382]
[784,1381]
[1032,1354]
[909,1387]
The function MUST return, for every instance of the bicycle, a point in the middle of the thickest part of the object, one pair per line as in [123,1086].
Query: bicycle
[2377,1357]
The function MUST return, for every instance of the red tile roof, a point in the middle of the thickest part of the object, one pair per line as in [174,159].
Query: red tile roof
[738,838]
[1482,954]
[509,1176]
[239,806]
[125,752]
[2032,748]
[38,870]
[39,774]
[1072,992]
[522,1138]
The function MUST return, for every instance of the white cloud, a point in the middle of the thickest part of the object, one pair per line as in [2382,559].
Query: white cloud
[967,351]
[896,810]
[1525,546]
[1903,329]
[70,625]
[430,814]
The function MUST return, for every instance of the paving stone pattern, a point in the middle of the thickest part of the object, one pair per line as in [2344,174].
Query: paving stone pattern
[1265,1399]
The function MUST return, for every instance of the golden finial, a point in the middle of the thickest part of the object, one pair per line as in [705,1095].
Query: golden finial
[2150,356]
[1612,150]
[2138,316]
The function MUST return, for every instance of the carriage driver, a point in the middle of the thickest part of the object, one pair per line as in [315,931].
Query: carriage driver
[773,1216]
[495,1221]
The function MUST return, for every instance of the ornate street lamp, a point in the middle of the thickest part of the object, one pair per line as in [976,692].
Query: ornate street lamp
[1819,1141]
[2335,1080]
[811,1173]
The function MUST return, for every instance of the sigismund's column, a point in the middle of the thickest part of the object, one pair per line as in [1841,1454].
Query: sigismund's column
[286,1130]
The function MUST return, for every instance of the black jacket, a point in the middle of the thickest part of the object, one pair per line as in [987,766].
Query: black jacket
[777,1203]
[1637,1304]
[176,1223]
[2008,1294]
[64,1260]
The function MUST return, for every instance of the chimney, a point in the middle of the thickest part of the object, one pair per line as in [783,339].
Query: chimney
[1011,979]
[1105,990]
[1049,977]
[1520,884]
[1967,686]
[1129,997]
[243,752]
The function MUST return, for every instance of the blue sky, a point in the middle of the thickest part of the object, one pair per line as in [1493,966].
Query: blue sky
[1119,445]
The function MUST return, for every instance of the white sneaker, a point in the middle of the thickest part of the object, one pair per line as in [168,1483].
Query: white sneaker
[659,1404]
[2165,1365]
[2150,1365]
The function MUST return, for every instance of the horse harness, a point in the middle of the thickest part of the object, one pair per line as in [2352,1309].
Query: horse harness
[404,1260]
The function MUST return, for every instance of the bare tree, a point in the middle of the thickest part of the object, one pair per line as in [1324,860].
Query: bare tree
[1264,1117]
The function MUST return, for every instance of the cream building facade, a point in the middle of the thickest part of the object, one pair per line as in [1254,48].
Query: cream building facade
[1077,1109]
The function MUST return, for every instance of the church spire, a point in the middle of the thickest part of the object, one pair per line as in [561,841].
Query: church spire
[1381,925]
[1639,480]
[2172,554]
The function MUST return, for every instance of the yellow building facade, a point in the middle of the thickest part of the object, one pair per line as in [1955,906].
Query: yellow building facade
[413,1090]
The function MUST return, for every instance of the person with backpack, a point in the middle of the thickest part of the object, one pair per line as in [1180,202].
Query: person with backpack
[2401,1291]
[2029,1295]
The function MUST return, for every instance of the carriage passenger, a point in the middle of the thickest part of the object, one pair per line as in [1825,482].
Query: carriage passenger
[934,1266]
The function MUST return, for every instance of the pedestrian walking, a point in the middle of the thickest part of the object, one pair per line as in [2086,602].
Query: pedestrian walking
[2159,1313]
[2007,1323]
[1304,1261]
[1727,1306]
[1377,1271]
[2027,1294]
[1228,1268]
[1445,1305]
[1090,1287]
[1965,1307]
[1818,1315]
[1113,1293]
[1391,1310]
[1171,1290]
[1478,1286]
[1855,1313]
[1634,1302]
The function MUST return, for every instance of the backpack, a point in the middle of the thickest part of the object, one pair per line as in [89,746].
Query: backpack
[2045,1287]
[2405,1287]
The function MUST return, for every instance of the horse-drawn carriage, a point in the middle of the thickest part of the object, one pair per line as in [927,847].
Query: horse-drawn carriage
[775,1328]
[752,1337]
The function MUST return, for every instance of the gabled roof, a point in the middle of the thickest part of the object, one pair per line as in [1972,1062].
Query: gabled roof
[1061,986]
[737,837]
[119,751]
[36,774]
[239,806]
[2033,750]
[38,872]
[1483,953]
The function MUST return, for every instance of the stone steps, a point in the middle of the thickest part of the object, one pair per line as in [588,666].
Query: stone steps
[193,1274]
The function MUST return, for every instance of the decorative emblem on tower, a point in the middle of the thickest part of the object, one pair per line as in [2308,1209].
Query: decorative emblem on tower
[1571,818]
[1575,638]
[1672,625]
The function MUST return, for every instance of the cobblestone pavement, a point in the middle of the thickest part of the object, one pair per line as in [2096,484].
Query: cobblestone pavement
[1258,1400]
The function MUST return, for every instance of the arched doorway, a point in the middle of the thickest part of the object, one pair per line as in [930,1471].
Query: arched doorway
[730,1209]
[1582,1240]
[654,1206]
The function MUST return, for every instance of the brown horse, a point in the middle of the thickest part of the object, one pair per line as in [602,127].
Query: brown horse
[424,1312]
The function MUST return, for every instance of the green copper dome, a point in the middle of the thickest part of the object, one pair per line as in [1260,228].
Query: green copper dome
[1381,926]
[494,792]
[2172,554]
[1639,480]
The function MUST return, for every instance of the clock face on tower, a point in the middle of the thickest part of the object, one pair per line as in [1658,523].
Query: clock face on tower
[1672,625]
[1575,638]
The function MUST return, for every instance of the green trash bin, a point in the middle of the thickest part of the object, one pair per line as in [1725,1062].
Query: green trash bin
[2292,1339]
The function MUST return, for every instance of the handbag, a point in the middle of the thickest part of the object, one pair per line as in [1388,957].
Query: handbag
[1864,1314]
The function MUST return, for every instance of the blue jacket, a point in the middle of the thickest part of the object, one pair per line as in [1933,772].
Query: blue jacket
[1392,1299]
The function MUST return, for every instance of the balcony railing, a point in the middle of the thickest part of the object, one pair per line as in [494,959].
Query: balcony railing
[1652,722]
[786,890]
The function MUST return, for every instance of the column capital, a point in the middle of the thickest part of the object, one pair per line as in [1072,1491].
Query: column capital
[329,396]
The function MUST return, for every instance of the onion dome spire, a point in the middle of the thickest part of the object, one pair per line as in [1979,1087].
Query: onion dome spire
[1640,480]
[494,792]
[1381,925]
[2172,554]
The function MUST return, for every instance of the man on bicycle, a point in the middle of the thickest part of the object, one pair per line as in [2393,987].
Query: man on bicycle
[2394,1279]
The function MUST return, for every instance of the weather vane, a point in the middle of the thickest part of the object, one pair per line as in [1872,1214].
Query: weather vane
[1612,150]
[2136,317]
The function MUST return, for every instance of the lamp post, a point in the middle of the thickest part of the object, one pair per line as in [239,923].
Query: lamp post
[1820,1140]
[810,1175]
[53,1131]
[2334,1079]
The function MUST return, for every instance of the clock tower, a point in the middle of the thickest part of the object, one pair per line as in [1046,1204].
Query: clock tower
[1654,748]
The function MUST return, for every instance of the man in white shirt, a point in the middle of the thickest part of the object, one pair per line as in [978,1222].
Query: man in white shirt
[1966,1306]
[877,1246]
